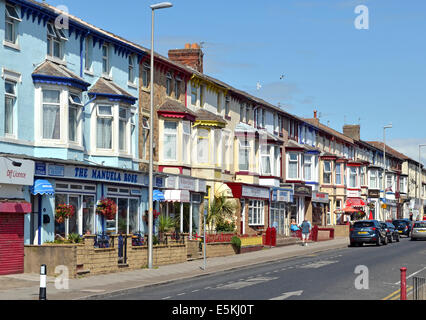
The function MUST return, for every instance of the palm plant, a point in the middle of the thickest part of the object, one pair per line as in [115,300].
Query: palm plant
[221,209]
[165,224]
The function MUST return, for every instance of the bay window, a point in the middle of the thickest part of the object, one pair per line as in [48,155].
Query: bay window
[339,174]
[122,129]
[308,168]
[373,180]
[244,155]
[256,215]
[186,141]
[266,159]
[104,127]
[327,172]
[353,177]
[293,166]
[9,112]
[51,115]
[74,108]
[170,140]
[203,146]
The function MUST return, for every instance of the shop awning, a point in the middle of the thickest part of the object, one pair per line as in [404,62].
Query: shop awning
[158,196]
[15,206]
[177,196]
[42,187]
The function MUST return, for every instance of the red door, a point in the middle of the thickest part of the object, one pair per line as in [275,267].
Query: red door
[11,243]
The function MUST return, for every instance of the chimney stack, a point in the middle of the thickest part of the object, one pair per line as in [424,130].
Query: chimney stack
[191,56]
[352,131]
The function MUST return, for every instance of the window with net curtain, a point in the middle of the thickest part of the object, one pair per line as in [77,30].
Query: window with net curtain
[170,140]
[327,172]
[353,175]
[104,127]
[244,154]
[10,98]
[186,139]
[203,146]
[266,159]
[51,115]
[122,129]
[293,163]
[308,168]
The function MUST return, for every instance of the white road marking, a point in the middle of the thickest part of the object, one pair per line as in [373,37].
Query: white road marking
[317,265]
[411,275]
[247,283]
[166,298]
[287,295]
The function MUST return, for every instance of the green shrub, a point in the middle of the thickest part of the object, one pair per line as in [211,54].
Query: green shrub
[236,242]
[74,238]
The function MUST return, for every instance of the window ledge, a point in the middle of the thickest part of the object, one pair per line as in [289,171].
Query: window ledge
[89,72]
[56,60]
[11,45]
[132,85]
[146,89]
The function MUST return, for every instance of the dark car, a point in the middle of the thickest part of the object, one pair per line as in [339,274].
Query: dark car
[370,231]
[403,226]
[392,233]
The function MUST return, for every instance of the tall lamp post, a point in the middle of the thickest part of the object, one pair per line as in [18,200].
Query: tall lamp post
[384,166]
[154,7]
[420,176]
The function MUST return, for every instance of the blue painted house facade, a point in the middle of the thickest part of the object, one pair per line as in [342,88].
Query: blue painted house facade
[69,103]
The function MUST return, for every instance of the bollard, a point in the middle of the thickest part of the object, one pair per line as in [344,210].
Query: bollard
[403,283]
[43,275]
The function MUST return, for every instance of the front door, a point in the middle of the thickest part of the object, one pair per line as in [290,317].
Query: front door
[73,222]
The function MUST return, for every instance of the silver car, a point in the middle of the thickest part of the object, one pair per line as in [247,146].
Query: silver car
[419,230]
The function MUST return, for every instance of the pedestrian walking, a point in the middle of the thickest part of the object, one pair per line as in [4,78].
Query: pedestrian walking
[306,227]
[294,228]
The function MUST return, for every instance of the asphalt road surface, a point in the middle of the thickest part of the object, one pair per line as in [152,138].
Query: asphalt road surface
[360,273]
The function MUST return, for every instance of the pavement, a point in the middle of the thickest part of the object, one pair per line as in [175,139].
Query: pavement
[26,286]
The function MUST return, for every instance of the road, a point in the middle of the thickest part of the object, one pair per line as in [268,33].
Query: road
[361,273]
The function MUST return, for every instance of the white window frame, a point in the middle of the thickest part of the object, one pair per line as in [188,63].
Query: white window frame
[328,173]
[256,213]
[146,75]
[126,122]
[293,161]
[104,116]
[13,98]
[353,172]
[308,164]
[244,146]
[194,95]
[186,142]
[11,18]
[373,177]
[132,74]
[266,154]
[339,173]
[61,114]
[57,36]
[78,105]
[168,132]
[203,137]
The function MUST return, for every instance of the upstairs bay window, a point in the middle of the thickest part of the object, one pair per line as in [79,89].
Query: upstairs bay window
[55,41]
[293,166]
[74,108]
[9,112]
[339,181]
[203,146]
[266,160]
[170,140]
[373,180]
[244,155]
[104,127]
[308,168]
[123,120]
[51,115]
[186,142]
[327,172]
[353,177]
[218,147]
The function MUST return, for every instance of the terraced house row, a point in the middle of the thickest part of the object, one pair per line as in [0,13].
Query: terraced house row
[74,129]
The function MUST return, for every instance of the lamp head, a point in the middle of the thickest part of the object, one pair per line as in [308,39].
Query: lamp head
[161,5]
[390,126]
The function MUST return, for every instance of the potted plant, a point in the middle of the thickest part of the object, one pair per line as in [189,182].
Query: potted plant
[165,224]
[107,208]
[63,212]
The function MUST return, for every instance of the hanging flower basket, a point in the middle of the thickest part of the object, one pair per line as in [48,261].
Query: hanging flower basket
[63,212]
[156,214]
[107,208]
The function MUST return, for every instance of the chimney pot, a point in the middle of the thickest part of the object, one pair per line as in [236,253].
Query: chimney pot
[315,114]
[195,46]
[187,46]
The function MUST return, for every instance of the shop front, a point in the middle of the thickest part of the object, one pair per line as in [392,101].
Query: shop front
[280,210]
[254,201]
[320,209]
[301,207]
[16,176]
[183,197]
[373,205]
[80,189]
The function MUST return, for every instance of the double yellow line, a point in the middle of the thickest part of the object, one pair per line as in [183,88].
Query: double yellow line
[397,294]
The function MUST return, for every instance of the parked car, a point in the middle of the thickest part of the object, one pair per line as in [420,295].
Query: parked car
[369,231]
[419,230]
[393,234]
[403,226]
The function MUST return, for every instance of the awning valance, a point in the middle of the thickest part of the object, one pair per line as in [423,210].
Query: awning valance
[355,203]
[177,196]
[18,206]
[42,187]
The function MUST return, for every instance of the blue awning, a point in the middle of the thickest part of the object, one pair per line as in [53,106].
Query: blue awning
[158,196]
[42,187]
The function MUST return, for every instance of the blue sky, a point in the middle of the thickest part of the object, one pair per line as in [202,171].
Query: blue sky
[372,77]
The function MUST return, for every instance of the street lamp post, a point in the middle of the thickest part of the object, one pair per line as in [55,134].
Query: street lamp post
[384,166]
[419,186]
[154,7]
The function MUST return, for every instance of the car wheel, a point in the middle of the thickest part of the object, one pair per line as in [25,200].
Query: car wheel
[391,239]
[398,239]
[379,242]
[386,241]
